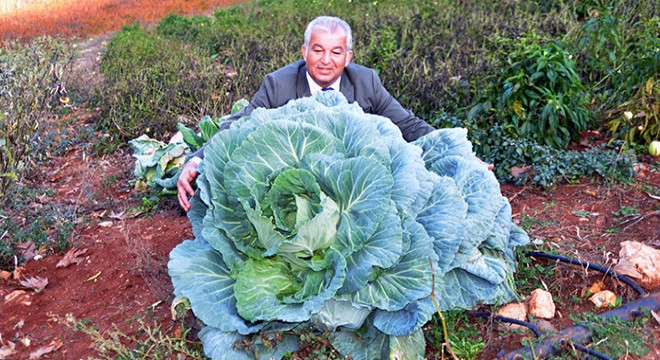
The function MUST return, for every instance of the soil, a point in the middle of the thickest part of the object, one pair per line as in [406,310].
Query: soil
[120,277]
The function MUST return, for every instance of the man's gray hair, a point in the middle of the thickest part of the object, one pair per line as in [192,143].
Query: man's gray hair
[330,24]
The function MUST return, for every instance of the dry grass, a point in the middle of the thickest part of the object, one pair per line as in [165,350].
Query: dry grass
[25,19]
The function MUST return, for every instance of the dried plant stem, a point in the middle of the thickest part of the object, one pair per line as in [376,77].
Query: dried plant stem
[446,343]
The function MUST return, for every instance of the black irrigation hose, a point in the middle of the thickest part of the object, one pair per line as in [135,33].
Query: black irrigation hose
[535,329]
[487,315]
[587,265]
[590,352]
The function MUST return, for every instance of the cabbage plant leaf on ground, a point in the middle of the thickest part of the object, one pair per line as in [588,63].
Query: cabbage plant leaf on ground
[318,217]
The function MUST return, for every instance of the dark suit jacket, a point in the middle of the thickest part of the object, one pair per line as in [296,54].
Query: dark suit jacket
[358,83]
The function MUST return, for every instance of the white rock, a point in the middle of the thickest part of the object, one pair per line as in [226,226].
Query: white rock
[516,311]
[641,263]
[541,304]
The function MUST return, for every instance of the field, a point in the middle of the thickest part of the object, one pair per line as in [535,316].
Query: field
[117,285]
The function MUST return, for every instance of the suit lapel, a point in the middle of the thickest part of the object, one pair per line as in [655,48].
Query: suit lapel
[302,87]
[346,87]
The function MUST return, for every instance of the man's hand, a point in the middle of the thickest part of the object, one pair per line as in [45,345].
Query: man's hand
[183,185]
[490,166]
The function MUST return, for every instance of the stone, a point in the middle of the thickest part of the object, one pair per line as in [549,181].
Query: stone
[516,311]
[639,262]
[541,305]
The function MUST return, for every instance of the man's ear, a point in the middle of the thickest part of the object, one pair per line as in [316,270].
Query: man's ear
[303,51]
[349,57]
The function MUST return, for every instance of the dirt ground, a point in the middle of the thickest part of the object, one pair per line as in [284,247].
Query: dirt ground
[119,277]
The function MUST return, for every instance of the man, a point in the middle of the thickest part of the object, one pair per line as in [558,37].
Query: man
[326,65]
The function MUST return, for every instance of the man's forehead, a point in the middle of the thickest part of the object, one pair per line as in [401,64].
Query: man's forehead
[321,37]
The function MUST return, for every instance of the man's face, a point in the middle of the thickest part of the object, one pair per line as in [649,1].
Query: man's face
[327,56]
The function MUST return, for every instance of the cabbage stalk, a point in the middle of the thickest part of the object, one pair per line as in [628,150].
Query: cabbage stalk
[318,217]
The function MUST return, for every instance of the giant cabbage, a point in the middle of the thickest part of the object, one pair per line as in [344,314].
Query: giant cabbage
[318,217]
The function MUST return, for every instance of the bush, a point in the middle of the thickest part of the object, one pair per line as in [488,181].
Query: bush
[30,83]
[538,94]
[619,53]
[151,82]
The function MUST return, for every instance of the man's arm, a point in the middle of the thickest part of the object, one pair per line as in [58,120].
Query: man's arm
[373,98]
[386,105]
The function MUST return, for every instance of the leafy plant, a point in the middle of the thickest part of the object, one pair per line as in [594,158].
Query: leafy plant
[316,216]
[157,163]
[614,336]
[542,96]
[30,80]
[464,337]
[151,341]
[207,128]
[619,54]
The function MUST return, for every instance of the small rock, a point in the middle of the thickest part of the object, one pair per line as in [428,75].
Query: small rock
[640,262]
[541,304]
[603,298]
[5,275]
[516,311]
[105,224]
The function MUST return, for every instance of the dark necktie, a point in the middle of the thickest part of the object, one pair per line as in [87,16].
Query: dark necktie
[326,89]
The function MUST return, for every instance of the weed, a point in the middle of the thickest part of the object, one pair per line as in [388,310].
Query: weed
[626,211]
[614,336]
[464,337]
[28,217]
[532,274]
[151,341]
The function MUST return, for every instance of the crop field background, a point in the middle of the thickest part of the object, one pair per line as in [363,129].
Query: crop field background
[79,18]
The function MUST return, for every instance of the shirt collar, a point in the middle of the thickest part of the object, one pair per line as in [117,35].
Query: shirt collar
[314,87]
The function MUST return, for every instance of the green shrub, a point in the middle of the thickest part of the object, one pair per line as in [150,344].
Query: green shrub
[619,54]
[153,82]
[30,83]
[544,165]
[538,96]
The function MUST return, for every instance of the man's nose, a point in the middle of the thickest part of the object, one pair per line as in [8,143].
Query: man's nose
[326,57]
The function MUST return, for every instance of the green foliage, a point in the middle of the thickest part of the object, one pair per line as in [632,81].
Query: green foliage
[532,273]
[613,336]
[539,95]
[464,335]
[152,82]
[542,164]
[30,83]
[619,53]
[207,128]
[28,217]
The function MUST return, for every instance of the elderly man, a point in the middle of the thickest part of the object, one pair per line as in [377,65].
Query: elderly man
[326,65]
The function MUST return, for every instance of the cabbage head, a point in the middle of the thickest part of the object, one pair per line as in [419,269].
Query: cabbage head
[318,217]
